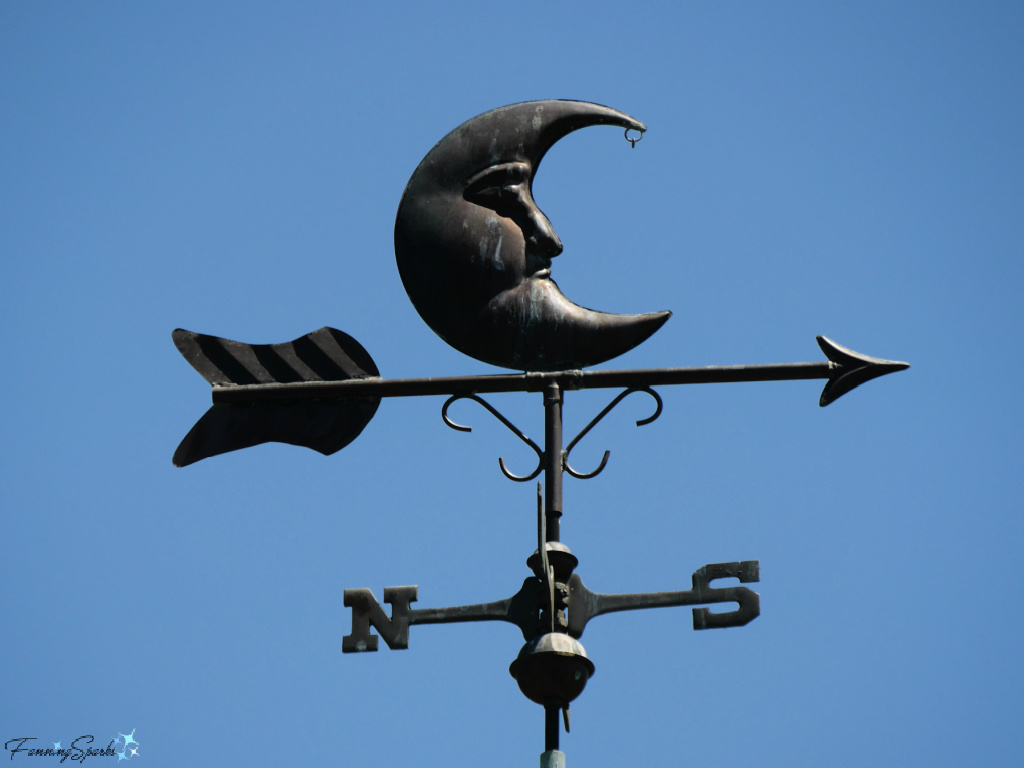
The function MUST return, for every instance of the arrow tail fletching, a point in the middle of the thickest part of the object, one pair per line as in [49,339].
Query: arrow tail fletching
[324,355]
[323,426]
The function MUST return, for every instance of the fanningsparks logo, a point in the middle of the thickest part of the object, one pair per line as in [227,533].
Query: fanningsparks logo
[123,747]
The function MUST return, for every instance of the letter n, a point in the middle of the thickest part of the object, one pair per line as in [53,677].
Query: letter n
[366,611]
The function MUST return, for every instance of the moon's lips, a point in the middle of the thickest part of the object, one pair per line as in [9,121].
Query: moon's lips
[474,250]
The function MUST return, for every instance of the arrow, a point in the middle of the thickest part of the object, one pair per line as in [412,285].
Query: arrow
[322,389]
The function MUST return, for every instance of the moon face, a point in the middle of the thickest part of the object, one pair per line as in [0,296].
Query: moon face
[475,252]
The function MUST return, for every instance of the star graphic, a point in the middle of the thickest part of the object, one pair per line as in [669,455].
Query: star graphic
[56,745]
[128,739]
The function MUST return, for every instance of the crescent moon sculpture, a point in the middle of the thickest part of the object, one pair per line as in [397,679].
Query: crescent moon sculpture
[474,250]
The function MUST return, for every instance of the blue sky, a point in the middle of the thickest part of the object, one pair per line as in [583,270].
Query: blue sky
[852,170]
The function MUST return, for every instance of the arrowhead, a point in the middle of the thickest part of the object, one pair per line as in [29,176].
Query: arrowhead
[851,369]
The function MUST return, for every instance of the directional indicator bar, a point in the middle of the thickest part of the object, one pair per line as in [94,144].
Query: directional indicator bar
[845,369]
[523,609]
[585,605]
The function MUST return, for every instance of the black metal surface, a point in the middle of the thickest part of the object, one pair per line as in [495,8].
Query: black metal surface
[848,368]
[526,608]
[522,609]
[247,375]
[585,605]
[511,427]
[474,250]
[551,726]
[325,427]
[324,355]
[553,460]
[852,370]
[475,253]
[552,668]
[593,422]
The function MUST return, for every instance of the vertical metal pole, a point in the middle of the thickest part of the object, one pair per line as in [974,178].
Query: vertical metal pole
[552,513]
[551,727]
[553,462]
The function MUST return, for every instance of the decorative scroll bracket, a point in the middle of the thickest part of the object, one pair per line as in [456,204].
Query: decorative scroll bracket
[536,448]
[604,459]
[511,427]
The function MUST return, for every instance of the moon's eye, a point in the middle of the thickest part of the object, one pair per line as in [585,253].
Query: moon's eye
[502,188]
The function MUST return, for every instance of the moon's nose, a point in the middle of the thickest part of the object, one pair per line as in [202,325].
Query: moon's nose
[543,239]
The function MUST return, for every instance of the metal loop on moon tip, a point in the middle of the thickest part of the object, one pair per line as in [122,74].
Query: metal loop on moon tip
[512,428]
[632,141]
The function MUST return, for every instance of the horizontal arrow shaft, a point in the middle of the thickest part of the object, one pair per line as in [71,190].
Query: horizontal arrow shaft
[528,382]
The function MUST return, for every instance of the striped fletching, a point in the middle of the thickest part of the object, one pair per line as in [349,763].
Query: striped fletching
[326,427]
[324,355]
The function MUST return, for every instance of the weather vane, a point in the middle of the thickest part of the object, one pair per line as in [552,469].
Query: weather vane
[474,252]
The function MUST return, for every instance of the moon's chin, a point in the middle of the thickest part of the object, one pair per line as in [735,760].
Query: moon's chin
[534,327]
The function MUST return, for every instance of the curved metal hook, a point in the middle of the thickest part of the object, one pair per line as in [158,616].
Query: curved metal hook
[512,427]
[604,460]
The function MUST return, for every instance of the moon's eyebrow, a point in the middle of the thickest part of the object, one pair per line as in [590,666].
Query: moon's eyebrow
[500,173]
